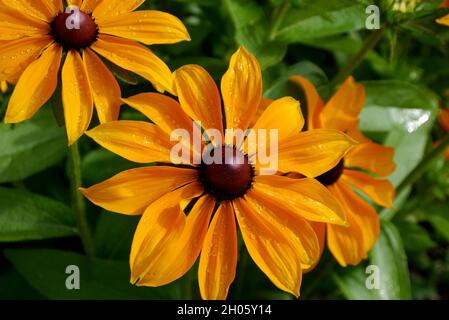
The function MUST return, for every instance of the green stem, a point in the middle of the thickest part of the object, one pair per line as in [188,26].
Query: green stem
[278,17]
[78,204]
[367,46]
[421,168]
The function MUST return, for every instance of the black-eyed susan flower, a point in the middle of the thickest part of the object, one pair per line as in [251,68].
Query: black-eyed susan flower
[191,210]
[38,33]
[350,245]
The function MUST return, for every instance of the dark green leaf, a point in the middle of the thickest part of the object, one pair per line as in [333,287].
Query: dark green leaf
[27,216]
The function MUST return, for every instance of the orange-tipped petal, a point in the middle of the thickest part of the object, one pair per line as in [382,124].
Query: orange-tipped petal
[35,87]
[137,141]
[380,191]
[148,27]
[314,152]
[167,242]
[305,197]
[343,109]
[16,25]
[373,157]
[351,244]
[105,88]
[114,9]
[313,101]
[273,247]
[443,20]
[132,191]
[17,55]
[443,119]
[218,259]
[136,58]
[76,97]
[241,88]
[199,96]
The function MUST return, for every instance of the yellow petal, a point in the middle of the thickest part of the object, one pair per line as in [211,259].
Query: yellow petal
[274,250]
[171,242]
[3,86]
[199,96]
[76,96]
[372,157]
[305,197]
[132,191]
[35,87]
[40,9]
[444,20]
[218,259]
[136,58]
[241,88]
[350,245]
[320,232]
[17,55]
[343,109]
[88,6]
[136,141]
[314,103]
[283,115]
[16,25]
[112,9]
[148,27]
[105,89]
[314,152]
[380,191]
[165,112]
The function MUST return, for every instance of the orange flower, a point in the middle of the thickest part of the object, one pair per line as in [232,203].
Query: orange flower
[273,212]
[351,245]
[37,32]
[444,20]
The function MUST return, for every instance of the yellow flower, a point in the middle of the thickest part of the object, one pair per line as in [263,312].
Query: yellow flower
[443,119]
[38,32]
[273,212]
[444,20]
[351,245]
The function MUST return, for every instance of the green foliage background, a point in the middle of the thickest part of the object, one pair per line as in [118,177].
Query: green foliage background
[406,78]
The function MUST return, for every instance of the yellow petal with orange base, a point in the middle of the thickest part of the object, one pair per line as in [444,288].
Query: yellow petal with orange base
[35,87]
[132,191]
[218,261]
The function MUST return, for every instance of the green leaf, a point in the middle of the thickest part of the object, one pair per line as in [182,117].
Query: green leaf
[389,258]
[252,30]
[100,164]
[27,216]
[30,147]
[99,279]
[320,18]
[415,237]
[114,235]
[404,114]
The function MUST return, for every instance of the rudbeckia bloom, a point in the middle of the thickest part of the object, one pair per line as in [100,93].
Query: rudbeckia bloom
[190,210]
[350,245]
[40,32]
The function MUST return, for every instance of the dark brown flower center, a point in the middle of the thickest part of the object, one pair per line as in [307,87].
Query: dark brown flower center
[332,175]
[231,177]
[75,30]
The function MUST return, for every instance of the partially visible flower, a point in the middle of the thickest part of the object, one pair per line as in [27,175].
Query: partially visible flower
[273,212]
[444,20]
[350,245]
[404,5]
[37,33]
[443,119]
